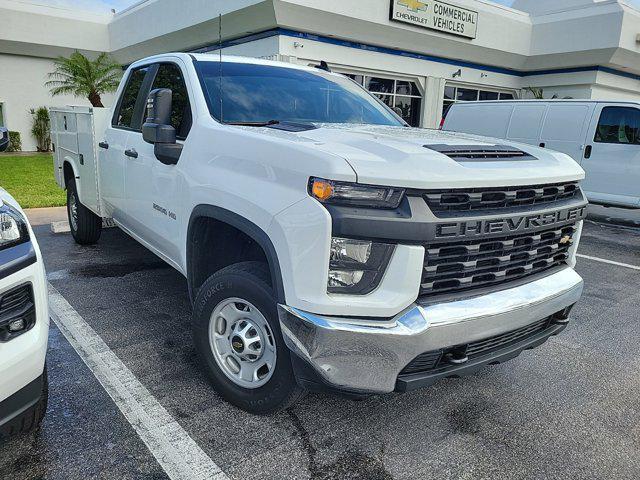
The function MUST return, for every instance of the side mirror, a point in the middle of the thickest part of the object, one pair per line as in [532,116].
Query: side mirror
[4,139]
[157,127]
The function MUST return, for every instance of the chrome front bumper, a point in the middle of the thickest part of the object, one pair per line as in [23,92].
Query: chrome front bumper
[367,355]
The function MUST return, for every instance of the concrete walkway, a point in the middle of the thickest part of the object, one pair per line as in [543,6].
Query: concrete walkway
[46,216]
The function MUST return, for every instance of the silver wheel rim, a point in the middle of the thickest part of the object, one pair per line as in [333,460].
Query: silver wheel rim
[242,343]
[73,210]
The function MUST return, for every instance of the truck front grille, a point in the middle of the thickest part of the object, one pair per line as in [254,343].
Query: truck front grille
[472,264]
[497,198]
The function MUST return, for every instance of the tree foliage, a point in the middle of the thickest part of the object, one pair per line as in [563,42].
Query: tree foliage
[41,128]
[82,77]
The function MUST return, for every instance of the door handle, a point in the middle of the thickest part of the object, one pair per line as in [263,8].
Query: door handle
[587,151]
[104,145]
[131,153]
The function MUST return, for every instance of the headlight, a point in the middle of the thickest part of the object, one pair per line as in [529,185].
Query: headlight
[357,266]
[13,227]
[354,194]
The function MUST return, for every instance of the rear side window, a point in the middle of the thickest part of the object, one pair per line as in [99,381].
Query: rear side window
[170,76]
[619,125]
[126,114]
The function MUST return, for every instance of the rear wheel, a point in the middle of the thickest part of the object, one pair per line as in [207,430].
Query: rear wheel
[237,334]
[85,225]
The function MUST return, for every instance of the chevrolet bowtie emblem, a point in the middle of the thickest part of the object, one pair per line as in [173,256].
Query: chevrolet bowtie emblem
[565,239]
[413,5]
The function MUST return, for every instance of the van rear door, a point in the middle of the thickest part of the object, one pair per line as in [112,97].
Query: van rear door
[565,126]
[526,123]
[490,119]
[612,156]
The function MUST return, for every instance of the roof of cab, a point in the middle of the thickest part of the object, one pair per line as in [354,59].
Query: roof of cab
[215,57]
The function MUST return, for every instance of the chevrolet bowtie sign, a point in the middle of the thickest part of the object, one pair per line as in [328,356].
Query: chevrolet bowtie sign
[436,15]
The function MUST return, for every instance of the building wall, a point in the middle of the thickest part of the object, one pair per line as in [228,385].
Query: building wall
[22,88]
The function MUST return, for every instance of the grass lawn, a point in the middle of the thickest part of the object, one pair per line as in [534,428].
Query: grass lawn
[29,178]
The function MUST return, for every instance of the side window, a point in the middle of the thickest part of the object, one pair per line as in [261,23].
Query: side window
[619,125]
[170,76]
[125,116]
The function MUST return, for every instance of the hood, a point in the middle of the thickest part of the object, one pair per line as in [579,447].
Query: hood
[398,156]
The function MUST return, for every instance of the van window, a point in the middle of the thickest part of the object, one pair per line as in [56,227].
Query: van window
[125,116]
[619,125]
[170,76]
[564,122]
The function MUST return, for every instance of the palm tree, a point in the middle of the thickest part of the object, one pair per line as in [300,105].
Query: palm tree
[85,78]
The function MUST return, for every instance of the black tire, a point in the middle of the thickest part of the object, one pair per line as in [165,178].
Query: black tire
[249,281]
[30,419]
[87,228]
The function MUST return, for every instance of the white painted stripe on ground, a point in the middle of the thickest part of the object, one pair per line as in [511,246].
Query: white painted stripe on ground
[176,452]
[610,262]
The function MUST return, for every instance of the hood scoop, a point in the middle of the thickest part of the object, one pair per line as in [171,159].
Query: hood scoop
[479,153]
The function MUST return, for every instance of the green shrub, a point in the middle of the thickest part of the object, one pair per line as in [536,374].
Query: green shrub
[15,142]
[41,128]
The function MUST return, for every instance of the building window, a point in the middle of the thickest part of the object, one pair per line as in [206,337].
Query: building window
[402,95]
[1,115]
[453,94]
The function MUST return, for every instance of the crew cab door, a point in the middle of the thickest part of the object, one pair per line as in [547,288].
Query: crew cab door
[612,156]
[154,205]
[127,119]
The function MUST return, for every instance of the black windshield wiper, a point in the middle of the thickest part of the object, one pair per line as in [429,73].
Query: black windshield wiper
[277,124]
[255,124]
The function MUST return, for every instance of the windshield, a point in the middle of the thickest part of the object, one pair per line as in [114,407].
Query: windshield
[265,93]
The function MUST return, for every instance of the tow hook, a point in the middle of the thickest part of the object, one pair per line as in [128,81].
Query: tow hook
[562,317]
[457,355]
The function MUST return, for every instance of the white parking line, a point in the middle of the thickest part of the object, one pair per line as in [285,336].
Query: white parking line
[176,452]
[610,262]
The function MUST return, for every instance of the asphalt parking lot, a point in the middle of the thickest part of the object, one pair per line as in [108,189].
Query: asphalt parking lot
[569,409]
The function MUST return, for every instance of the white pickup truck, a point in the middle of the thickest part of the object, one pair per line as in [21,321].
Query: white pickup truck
[326,244]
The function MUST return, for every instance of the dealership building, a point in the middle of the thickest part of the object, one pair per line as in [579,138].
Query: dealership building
[417,55]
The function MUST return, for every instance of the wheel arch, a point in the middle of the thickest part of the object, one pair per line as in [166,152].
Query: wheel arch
[247,227]
[69,171]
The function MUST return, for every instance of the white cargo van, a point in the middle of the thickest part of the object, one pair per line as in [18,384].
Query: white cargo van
[603,137]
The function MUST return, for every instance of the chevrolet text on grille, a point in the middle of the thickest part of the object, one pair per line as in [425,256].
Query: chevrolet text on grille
[507,225]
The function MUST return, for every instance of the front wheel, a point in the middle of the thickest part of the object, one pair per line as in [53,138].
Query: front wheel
[237,335]
[85,225]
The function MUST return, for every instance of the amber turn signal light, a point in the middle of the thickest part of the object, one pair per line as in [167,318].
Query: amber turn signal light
[321,189]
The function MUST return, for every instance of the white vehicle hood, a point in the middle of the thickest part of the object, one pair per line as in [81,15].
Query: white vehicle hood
[397,156]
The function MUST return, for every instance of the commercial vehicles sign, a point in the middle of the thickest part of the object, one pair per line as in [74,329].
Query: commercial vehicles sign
[436,15]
